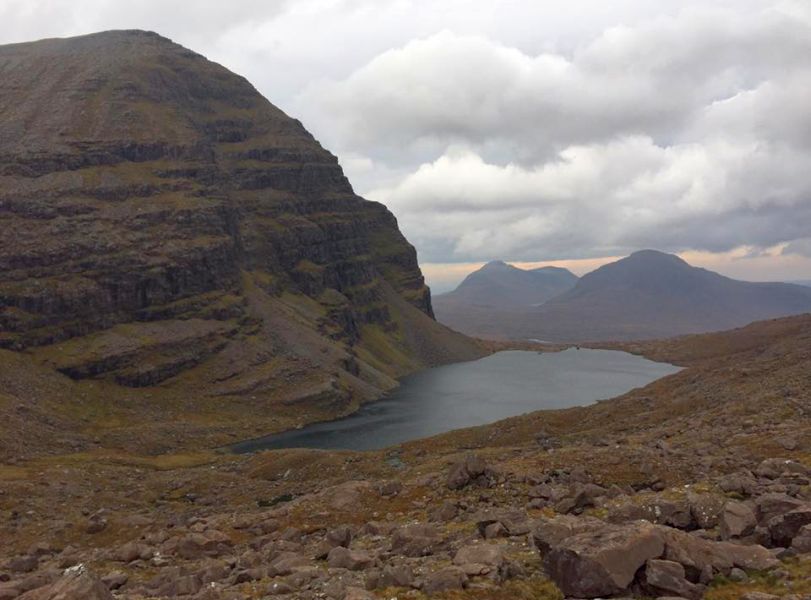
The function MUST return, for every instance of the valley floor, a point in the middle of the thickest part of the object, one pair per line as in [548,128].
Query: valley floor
[696,485]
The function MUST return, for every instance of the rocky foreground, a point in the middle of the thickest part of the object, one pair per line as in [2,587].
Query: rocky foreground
[698,485]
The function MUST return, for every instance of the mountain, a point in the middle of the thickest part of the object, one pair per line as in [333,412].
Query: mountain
[172,244]
[646,295]
[499,284]
[488,298]
[651,294]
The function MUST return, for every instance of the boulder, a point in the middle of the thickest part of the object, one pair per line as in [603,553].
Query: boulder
[741,483]
[447,511]
[388,489]
[772,468]
[586,495]
[39,579]
[352,560]
[802,541]
[472,469]
[115,580]
[737,520]
[77,583]
[705,509]
[450,578]
[96,524]
[185,585]
[665,577]
[628,510]
[279,588]
[675,513]
[131,552]
[216,570]
[698,555]
[513,523]
[785,527]
[340,536]
[479,559]
[391,576]
[603,562]
[211,543]
[416,540]
[247,575]
[551,531]
[285,563]
[773,504]
[41,549]
[378,528]
[23,564]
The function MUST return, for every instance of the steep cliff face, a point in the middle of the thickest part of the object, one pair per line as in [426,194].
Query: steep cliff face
[162,223]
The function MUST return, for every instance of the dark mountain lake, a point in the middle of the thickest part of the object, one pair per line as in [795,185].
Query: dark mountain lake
[474,393]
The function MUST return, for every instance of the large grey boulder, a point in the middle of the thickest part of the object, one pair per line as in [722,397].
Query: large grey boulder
[416,540]
[698,555]
[785,527]
[774,504]
[667,578]
[605,561]
[737,520]
[551,531]
[470,470]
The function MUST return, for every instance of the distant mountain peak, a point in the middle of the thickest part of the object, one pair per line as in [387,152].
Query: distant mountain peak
[655,255]
[498,283]
[497,264]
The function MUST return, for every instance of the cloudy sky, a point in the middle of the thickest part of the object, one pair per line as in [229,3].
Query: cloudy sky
[530,131]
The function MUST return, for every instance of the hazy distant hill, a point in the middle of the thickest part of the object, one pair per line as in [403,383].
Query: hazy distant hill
[646,295]
[487,298]
[499,284]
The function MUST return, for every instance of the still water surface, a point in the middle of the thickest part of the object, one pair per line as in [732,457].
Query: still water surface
[474,393]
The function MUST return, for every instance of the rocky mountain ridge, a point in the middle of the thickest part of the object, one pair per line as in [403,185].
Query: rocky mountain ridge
[166,228]
[498,284]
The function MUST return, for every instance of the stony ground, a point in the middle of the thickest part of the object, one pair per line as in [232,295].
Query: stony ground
[698,485]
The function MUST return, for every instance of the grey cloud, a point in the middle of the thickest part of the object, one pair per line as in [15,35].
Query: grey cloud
[687,131]
[800,246]
[606,198]
[655,78]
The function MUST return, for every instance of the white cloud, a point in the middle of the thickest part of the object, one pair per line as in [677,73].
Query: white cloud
[605,198]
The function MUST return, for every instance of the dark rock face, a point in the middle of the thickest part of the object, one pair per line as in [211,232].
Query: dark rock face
[183,180]
[158,213]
